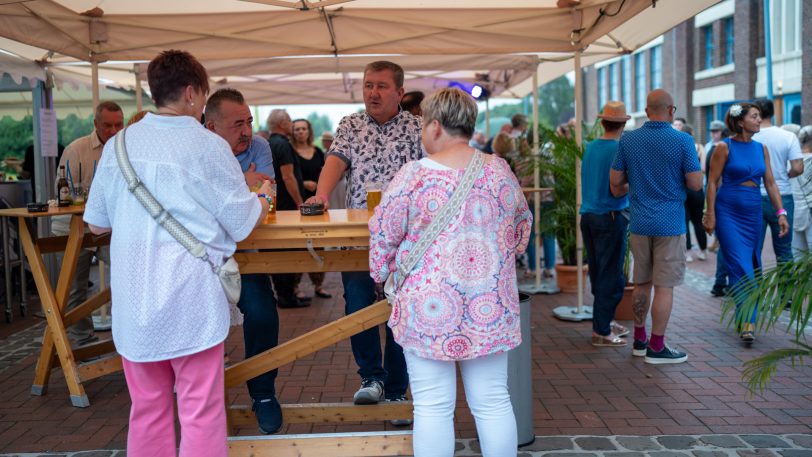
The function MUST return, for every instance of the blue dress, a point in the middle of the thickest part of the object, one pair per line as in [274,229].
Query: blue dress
[738,210]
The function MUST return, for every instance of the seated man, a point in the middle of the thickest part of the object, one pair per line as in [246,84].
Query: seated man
[229,116]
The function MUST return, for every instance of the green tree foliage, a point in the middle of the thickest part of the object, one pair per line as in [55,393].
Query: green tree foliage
[556,105]
[73,127]
[321,123]
[17,135]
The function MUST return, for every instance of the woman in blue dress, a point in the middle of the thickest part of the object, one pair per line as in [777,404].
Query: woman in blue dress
[735,211]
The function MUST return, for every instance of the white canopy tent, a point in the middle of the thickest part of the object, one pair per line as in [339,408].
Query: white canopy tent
[552,32]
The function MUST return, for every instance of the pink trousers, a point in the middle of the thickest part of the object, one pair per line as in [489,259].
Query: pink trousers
[198,379]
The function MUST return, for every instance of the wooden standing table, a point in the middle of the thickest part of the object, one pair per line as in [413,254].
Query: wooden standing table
[55,344]
[311,234]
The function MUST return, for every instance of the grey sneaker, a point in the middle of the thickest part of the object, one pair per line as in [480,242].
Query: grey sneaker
[667,355]
[639,348]
[370,393]
[400,422]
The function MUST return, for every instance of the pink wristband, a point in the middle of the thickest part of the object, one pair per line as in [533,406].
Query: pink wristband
[781,212]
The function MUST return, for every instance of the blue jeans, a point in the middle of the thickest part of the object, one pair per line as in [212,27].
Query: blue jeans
[548,246]
[781,246]
[721,270]
[260,328]
[605,244]
[359,292]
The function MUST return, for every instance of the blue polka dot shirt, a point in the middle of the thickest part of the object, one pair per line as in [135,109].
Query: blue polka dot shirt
[656,158]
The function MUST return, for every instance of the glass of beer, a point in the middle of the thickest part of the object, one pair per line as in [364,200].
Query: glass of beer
[272,208]
[78,196]
[374,191]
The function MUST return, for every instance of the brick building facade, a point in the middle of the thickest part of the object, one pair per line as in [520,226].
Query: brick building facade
[713,60]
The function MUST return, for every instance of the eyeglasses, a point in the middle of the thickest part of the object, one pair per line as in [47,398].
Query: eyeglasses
[673,107]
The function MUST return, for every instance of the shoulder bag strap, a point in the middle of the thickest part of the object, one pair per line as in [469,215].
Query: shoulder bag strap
[443,218]
[161,216]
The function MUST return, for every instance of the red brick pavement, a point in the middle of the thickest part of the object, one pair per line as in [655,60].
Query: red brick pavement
[578,389]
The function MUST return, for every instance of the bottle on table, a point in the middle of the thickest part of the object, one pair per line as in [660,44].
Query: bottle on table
[63,193]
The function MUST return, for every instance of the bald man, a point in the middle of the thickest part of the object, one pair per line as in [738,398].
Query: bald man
[658,163]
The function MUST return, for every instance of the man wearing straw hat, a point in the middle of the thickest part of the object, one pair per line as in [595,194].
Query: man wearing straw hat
[604,220]
[79,159]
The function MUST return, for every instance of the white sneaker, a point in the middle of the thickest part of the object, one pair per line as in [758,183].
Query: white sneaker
[370,393]
[688,257]
[703,255]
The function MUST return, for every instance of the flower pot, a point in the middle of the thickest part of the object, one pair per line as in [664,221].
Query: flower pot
[624,311]
[568,278]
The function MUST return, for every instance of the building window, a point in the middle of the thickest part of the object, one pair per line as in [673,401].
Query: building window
[786,26]
[707,37]
[792,109]
[601,87]
[614,81]
[640,81]
[729,40]
[627,81]
[656,67]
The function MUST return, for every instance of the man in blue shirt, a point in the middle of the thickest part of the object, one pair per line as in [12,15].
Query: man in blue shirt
[603,225]
[229,116]
[658,163]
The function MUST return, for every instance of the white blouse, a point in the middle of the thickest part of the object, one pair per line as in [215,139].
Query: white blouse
[167,303]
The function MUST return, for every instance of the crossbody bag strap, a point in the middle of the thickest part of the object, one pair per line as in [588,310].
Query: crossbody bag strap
[443,218]
[154,208]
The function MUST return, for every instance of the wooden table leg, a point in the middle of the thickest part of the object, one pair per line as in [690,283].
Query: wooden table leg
[53,304]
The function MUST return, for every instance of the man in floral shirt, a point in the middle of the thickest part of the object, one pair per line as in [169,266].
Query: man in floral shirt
[372,146]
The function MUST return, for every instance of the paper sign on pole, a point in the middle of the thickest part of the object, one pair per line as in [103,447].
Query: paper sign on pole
[49,136]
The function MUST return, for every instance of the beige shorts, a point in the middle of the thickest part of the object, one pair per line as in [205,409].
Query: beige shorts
[658,259]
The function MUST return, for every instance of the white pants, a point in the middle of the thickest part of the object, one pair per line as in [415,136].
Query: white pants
[802,241]
[434,389]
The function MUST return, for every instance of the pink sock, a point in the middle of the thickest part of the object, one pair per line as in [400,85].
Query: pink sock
[657,342]
[640,334]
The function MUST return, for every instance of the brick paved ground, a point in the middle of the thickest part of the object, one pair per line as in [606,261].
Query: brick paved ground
[579,390]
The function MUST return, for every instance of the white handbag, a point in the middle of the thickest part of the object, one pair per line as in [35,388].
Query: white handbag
[437,225]
[228,273]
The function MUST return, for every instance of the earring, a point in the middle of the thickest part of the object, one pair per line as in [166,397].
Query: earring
[191,103]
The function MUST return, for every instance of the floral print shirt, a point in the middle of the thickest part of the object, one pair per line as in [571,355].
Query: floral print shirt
[375,152]
[461,300]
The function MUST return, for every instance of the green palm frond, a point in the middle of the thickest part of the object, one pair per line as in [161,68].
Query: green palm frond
[758,372]
[769,292]
[556,165]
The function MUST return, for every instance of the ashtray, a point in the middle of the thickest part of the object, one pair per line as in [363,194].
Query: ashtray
[37,207]
[311,209]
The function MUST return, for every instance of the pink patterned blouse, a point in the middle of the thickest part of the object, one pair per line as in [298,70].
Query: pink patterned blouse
[461,301]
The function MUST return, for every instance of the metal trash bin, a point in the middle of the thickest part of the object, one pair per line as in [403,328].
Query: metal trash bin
[520,377]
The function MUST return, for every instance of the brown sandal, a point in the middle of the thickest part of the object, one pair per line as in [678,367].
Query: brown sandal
[611,340]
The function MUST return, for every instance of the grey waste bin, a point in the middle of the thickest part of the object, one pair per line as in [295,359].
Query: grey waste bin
[520,377]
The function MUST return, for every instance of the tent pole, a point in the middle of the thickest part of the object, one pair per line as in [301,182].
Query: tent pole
[139,104]
[537,287]
[536,181]
[94,76]
[579,117]
[580,312]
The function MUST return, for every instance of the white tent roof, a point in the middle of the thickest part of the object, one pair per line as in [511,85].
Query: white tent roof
[71,92]
[316,55]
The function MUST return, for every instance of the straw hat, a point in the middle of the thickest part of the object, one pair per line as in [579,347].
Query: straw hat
[614,111]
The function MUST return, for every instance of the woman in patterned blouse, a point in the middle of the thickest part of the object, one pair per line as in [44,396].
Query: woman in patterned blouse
[460,303]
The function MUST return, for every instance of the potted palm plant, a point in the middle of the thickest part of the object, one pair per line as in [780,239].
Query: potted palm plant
[770,291]
[556,165]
